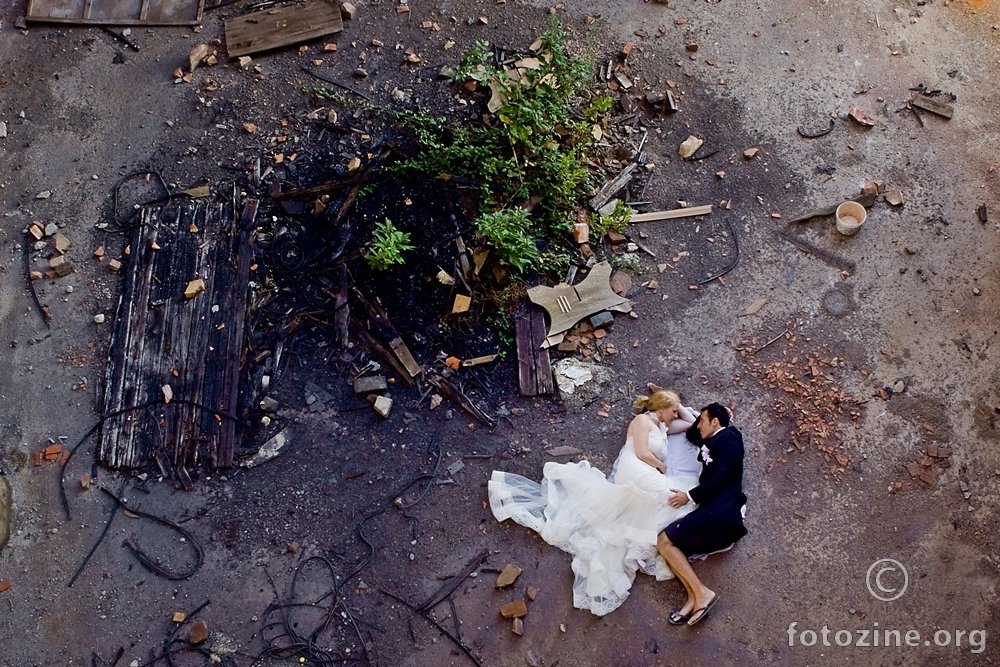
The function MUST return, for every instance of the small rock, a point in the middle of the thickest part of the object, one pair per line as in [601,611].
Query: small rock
[44,194]
[750,153]
[383,404]
[99,318]
[894,197]
[51,229]
[898,387]
[194,288]
[518,627]
[198,633]
[515,609]
[508,576]
[689,146]
[178,617]
[348,11]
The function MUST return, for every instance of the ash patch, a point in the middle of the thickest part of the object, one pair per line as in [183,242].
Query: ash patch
[838,302]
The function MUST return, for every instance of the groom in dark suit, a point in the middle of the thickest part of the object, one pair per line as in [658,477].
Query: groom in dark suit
[717,523]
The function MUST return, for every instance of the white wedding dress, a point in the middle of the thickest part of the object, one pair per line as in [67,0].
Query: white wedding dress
[608,524]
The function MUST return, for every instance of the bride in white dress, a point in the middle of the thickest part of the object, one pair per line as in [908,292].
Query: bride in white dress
[610,524]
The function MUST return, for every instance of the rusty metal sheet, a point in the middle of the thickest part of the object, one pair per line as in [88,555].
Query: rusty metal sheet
[117,12]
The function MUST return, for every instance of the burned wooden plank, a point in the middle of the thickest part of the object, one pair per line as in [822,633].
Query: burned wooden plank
[116,12]
[276,27]
[612,187]
[380,320]
[192,346]
[533,363]
[376,348]
[932,105]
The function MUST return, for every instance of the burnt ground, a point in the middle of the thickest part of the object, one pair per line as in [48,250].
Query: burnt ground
[919,305]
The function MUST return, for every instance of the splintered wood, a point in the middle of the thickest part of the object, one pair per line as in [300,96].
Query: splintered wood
[166,337]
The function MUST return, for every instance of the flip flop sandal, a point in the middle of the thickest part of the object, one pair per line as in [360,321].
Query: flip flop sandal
[677,618]
[699,614]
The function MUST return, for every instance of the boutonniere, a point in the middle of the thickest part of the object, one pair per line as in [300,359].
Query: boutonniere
[705,455]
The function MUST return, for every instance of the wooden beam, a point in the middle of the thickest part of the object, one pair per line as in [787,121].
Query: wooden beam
[671,214]
[930,104]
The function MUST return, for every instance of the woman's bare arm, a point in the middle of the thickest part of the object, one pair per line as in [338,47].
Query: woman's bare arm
[639,430]
[685,419]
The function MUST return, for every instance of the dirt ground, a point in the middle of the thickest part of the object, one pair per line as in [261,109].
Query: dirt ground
[382,505]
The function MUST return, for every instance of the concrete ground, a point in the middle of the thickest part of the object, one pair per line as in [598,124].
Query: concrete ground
[918,305]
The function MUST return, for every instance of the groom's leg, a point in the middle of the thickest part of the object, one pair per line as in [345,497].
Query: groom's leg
[699,595]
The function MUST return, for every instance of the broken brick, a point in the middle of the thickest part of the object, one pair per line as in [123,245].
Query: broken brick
[508,576]
[198,633]
[515,609]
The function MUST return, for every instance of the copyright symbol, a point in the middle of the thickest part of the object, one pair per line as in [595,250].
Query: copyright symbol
[887,579]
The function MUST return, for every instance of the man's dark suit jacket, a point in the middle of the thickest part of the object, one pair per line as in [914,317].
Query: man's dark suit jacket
[720,485]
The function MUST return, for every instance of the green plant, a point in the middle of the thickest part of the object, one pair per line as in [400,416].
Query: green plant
[387,246]
[507,233]
[532,147]
[617,221]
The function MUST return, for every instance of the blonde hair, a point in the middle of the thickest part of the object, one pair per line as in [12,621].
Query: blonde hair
[657,400]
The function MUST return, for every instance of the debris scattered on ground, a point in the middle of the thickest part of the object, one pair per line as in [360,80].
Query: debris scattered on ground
[859,116]
[810,399]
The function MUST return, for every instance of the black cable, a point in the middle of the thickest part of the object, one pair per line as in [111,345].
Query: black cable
[148,562]
[736,259]
[86,559]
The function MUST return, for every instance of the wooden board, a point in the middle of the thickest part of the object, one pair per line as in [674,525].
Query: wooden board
[282,26]
[671,214]
[117,12]
[534,369]
[196,346]
[568,304]
[930,104]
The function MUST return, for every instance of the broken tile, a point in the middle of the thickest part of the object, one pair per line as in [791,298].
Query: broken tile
[515,609]
[508,576]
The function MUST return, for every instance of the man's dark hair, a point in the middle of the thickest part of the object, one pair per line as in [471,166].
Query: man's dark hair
[717,411]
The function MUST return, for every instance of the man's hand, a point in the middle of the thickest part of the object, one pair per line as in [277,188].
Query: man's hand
[677,498]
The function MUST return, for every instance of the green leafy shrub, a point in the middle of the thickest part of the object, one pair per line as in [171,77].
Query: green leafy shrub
[387,246]
[532,147]
[508,235]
